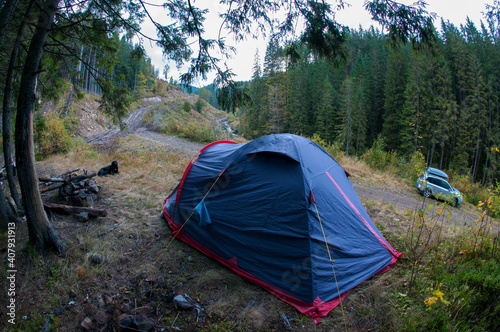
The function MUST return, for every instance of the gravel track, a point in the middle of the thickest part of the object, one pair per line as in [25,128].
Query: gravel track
[401,198]
[409,198]
[135,126]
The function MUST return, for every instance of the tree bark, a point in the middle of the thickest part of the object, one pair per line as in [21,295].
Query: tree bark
[76,209]
[6,107]
[41,233]
[5,14]
[6,213]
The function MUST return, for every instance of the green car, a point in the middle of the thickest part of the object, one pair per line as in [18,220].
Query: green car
[434,183]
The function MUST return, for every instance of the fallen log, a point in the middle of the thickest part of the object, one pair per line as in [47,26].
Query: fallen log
[83,177]
[52,187]
[76,209]
[51,180]
[69,172]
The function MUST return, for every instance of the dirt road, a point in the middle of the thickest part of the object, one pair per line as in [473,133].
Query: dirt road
[401,198]
[135,126]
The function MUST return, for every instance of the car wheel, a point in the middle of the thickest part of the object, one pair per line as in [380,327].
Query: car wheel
[427,193]
[454,202]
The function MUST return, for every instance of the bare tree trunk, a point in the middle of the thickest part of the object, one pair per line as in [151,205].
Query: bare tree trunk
[41,232]
[6,108]
[485,170]
[415,143]
[442,154]
[433,146]
[348,125]
[477,156]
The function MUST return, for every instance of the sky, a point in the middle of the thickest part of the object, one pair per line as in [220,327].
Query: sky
[354,16]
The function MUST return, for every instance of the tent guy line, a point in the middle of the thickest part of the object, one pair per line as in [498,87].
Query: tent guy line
[331,261]
[177,233]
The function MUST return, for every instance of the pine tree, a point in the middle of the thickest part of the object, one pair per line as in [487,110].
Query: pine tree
[324,116]
[351,127]
[397,74]
[445,109]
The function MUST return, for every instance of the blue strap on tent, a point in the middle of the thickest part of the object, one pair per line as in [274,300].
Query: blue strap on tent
[201,208]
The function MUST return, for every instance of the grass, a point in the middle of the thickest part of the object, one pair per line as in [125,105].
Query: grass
[450,262]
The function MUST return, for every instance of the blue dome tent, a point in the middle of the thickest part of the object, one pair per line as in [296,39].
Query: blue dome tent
[281,212]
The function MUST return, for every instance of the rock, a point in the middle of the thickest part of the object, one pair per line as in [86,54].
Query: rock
[146,325]
[101,317]
[95,258]
[87,324]
[93,186]
[83,217]
[181,302]
[125,321]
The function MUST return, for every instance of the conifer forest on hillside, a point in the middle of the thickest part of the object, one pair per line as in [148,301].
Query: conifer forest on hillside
[79,91]
[442,102]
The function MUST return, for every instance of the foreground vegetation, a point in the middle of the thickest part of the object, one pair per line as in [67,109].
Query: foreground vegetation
[447,279]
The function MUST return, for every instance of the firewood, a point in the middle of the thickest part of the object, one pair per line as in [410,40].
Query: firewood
[76,209]
[51,180]
[52,187]
[69,172]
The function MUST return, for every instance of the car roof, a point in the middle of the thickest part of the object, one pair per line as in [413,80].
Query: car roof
[437,172]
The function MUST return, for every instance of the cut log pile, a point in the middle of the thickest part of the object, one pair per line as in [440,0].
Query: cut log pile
[75,191]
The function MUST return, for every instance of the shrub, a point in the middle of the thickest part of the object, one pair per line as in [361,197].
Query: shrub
[378,158]
[200,103]
[83,149]
[51,135]
[473,191]
[186,106]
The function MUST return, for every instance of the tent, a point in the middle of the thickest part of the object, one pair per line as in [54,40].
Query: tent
[281,212]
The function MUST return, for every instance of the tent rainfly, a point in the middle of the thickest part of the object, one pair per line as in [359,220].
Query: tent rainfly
[281,212]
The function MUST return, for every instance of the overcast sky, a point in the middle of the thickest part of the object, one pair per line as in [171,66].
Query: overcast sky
[456,11]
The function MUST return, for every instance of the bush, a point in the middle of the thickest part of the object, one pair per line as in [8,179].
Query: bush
[186,106]
[413,168]
[51,135]
[473,191]
[200,103]
[459,276]
[378,158]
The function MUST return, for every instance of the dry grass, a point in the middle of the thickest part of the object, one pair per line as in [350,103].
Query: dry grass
[361,170]
[134,199]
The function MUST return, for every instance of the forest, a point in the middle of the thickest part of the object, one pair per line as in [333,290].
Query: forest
[410,91]
[442,102]
[410,95]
